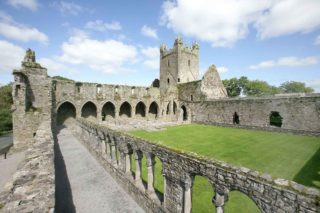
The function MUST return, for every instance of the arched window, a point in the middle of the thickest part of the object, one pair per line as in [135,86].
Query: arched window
[275,119]
[66,113]
[174,107]
[108,111]
[184,113]
[168,108]
[168,80]
[89,110]
[125,110]
[236,119]
[141,109]
[153,110]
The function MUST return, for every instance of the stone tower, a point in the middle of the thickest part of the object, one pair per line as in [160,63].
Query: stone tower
[32,100]
[178,65]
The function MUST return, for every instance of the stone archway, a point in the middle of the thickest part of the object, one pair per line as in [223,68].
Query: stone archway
[66,114]
[236,119]
[184,113]
[140,109]
[275,119]
[153,110]
[108,111]
[125,110]
[89,110]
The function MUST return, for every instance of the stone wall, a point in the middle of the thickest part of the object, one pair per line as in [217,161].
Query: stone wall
[32,188]
[179,170]
[298,112]
[99,94]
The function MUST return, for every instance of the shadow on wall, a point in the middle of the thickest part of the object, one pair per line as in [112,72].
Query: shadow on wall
[63,196]
[309,175]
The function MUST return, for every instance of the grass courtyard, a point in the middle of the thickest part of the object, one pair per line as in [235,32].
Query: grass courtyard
[293,157]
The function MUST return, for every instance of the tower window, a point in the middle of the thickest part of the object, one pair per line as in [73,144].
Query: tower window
[191,97]
[168,63]
[189,63]
[178,79]
[168,81]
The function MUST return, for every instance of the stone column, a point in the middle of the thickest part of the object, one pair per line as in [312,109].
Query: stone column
[150,166]
[188,194]
[219,200]
[138,157]
[103,148]
[113,152]
[128,163]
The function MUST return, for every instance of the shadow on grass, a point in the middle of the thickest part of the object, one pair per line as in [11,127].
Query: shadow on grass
[310,173]
[63,195]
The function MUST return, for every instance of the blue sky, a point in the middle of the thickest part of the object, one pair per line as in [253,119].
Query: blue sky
[118,41]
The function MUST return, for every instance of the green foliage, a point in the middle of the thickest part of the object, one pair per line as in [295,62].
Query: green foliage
[235,87]
[259,88]
[295,87]
[5,108]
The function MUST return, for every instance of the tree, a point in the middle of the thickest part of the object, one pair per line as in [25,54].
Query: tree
[295,87]
[5,108]
[235,86]
[259,88]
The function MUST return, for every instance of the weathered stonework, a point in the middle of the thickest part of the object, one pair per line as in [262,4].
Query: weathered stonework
[179,170]
[41,103]
[33,185]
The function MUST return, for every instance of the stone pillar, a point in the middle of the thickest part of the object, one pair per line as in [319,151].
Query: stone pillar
[188,194]
[138,157]
[113,153]
[150,166]
[103,148]
[173,193]
[219,200]
[108,150]
[128,163]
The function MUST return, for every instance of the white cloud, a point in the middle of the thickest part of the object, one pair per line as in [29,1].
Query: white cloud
[110,56]
[99,25]
[317,40]
[55,67]
[289,16]
[152,57]
[29,4]
[222,69]
[287,61]
[12,30]
[224,22]
[68,7]
[10,56]
[148,31]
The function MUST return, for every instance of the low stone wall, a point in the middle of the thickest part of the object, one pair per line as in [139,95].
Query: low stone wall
[113,150]
[32,188]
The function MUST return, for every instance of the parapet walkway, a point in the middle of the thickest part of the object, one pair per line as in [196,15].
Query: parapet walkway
[92,188]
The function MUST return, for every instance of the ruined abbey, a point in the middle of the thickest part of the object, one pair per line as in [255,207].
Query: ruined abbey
[42,103]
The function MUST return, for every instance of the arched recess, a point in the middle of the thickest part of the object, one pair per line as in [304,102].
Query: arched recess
[184,113]
[168,109]
[153,110]
[174,107]
[275,119]
[236,119]
[140,109]
[125,110]
[108,111]
[66,113]
[89,110]
[239,202]
[202,194]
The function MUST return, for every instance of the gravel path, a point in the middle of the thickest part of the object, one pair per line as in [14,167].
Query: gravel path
[8,167]
[93,189]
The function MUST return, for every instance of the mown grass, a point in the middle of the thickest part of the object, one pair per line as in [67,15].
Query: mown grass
[288,156]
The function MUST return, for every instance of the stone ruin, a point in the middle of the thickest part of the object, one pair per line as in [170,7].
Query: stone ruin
[177,96]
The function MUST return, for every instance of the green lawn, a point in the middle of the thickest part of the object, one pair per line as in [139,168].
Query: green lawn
[288,156]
